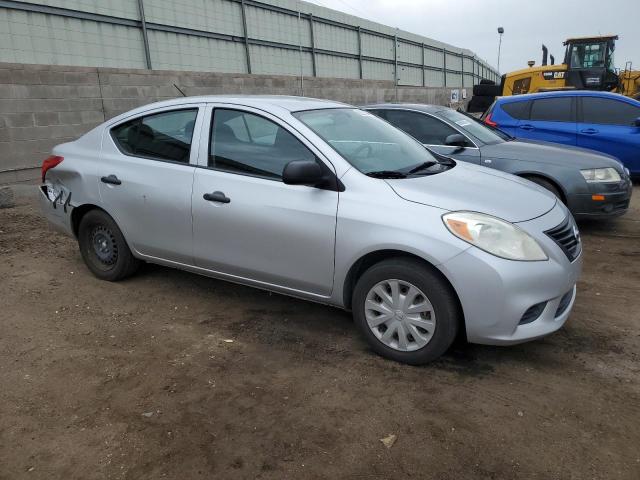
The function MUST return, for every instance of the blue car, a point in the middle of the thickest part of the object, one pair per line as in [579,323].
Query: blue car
[602,121]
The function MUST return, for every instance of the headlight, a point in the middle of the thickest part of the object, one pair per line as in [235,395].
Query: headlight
[495,236]
[598,175]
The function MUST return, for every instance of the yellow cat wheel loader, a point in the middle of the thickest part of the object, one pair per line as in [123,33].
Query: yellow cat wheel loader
[588,65]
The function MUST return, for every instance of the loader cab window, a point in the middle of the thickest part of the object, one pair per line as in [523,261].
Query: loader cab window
[591,55]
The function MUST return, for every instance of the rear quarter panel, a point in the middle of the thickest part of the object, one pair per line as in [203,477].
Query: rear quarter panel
[76,176]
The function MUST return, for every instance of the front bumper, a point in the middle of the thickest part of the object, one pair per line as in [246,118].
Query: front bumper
[495,293]
[617,197]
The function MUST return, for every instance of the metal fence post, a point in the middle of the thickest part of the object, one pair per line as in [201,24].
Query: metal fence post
[246,36]
[145,37]
[395,56]
[360,51]
[313,46]
[462,68]
[444,67]
[424,82]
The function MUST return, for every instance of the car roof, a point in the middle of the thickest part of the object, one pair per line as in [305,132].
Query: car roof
[563,93]
[422,107]
[266,102]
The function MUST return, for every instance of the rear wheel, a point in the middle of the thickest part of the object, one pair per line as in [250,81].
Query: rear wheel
[406,312]
[104,248]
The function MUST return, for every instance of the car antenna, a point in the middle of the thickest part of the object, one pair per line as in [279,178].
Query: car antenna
[178,88]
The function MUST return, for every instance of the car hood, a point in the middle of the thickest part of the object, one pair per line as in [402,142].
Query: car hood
[550,153]
[479,189]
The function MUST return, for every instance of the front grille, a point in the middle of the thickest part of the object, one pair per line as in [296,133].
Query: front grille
[567,237]
[532,313]
[564,303]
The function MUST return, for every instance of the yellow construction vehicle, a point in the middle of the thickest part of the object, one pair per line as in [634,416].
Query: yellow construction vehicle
[588,65]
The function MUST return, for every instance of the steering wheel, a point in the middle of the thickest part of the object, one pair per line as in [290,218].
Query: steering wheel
[361,148]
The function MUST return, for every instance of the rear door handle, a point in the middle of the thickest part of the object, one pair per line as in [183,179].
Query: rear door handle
[589,131]
[526,126]
[111,179]
[216,197]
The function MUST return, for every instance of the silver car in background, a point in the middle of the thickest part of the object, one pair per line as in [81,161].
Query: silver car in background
[326,202]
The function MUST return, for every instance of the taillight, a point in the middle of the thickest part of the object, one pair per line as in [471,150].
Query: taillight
[49,163]
[490,122]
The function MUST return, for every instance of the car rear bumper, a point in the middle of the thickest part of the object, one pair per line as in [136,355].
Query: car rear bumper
[495,293]
[615,203]
[56,208]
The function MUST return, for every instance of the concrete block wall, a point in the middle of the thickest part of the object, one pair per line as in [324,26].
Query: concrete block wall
[44,105]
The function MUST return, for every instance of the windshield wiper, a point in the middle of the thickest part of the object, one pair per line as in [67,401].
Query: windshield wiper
[422,166]
[386,174]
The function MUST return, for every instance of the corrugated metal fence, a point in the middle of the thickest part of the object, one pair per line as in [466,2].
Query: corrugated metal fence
[281,37]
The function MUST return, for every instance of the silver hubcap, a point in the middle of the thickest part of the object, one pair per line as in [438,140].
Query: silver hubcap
[400,315]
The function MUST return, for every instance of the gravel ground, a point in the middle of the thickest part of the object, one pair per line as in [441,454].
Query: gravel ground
[172,375]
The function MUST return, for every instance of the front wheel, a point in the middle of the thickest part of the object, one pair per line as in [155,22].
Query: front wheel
[547,185]
[407,312]
[104,248]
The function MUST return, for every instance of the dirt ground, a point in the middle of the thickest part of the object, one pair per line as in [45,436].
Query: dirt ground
[138,379]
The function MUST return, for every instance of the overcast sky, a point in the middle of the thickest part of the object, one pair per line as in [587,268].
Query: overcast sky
[473,24]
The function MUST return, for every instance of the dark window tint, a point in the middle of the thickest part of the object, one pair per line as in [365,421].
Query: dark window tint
[246,143]
[379,113]
[163,136]
[517,110]
[608,112]
[552,110]
[424,128]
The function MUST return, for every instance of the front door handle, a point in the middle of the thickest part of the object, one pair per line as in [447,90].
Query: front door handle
[111,179]
[589,131]
[216,197]
[526,126]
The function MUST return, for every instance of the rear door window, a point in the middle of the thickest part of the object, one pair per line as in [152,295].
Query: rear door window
[517,110]
[161,136]
[552,110]
[607,111]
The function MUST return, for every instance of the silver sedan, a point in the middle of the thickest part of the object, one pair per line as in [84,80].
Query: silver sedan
[326,202]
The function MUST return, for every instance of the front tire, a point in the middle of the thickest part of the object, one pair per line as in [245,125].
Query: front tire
[103,247]
[547,185]
[406,311]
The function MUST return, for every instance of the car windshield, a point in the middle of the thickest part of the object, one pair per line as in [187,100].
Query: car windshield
[475,127]
[367,142]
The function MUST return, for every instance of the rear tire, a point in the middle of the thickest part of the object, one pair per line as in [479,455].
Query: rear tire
[103,247]
[423,320]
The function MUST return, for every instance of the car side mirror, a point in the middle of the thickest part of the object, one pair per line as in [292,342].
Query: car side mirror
[456,140]
[636,122]
[302,172]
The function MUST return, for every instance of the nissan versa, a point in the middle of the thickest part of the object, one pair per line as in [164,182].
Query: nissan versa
[326,202]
